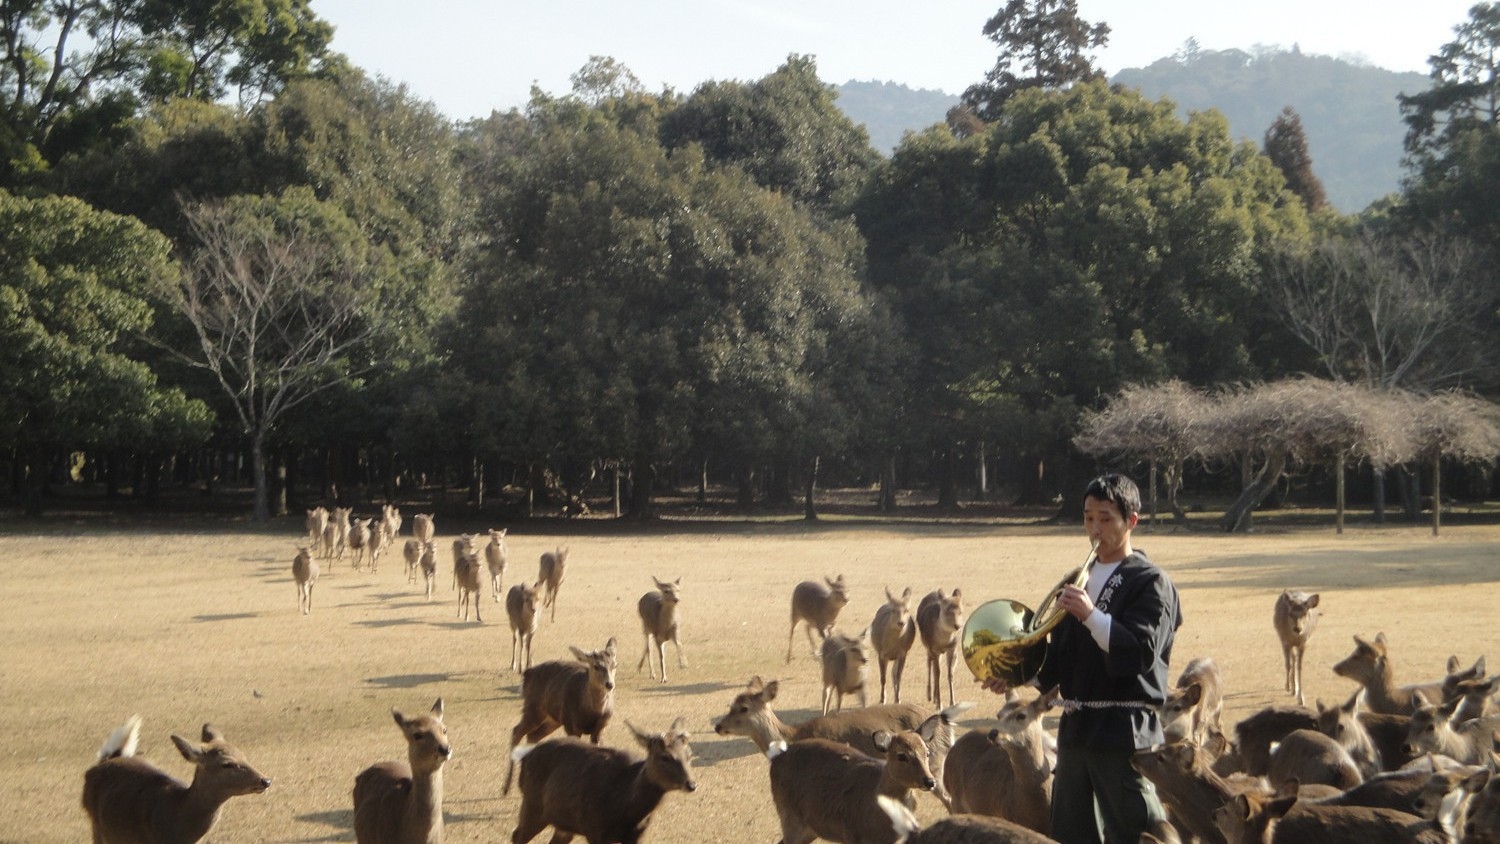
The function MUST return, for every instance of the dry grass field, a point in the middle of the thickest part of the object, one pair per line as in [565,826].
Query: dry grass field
[187,621]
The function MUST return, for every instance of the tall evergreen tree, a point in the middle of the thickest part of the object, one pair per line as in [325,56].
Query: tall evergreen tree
[1043,44]
[1286,146]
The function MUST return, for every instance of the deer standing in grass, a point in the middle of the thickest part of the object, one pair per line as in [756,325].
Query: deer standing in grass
[819,606]
[131,801]
[578,697]
[845,667]
[892,633]
[940,623]
[550,575]
[496,557]
[603,794]
[521,609]
[1295,618]
[359,539]
[1370,666]
[402,802]
[428,564]
[466,574]
[658,612]
[305,572]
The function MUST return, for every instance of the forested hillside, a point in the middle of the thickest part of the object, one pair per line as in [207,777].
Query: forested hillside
[1348,111]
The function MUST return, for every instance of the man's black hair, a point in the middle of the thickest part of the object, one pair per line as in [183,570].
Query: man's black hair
[1118,490]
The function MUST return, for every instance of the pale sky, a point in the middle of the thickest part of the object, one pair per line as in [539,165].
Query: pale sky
[473,56]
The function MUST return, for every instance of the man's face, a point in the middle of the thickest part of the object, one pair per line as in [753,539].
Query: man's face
[1106,526]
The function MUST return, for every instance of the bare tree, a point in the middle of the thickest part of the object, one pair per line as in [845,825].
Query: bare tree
[278,294]
[1159,423]
[1456,426]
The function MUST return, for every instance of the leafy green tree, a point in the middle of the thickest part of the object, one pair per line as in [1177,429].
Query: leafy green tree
[784,129]
[1043,44]
[74,301]
[1453,131]
[1286,145]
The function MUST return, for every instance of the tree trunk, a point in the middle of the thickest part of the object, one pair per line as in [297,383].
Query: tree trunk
[279,499]
[476,483]
[948,479]
[984,473]
[1338,495]
[641,506]
[1174,487]
[34,483]
[1378,491]
[1237,518]
[745,492]
[1153,493]
[702,483]
[262,512]
[1437,493]
[615,492]
[887,498]
[810,507]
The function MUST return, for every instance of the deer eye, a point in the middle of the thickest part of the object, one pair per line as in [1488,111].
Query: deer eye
[419,735]
[902,757]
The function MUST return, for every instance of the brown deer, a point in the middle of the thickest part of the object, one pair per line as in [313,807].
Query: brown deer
[1342,724]
[402,802]
[521,608]
[411,550]
[428,564]
[305,573]
[1483,824]
[817,605]
[466,573]
[1432,730]
[822,790]
[1295,619]
[1006,773]
[1252,819]
[422,527]
[550,575]
[940,623]
[1369,665]
[578,697]
[317,522]
[496,558]
[359,539]
[892,633]
[600,793]
[959,829]
[1309,757]
[1257,732]
[1189,787]
[658,612]
[131,801]
[845,666]
[1194,708]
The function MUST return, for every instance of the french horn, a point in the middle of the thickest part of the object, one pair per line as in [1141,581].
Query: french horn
[1005,640]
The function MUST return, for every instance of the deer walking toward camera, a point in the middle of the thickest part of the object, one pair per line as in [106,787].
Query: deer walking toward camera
[466,574]
[892,633]
[550,574]
[496,557]
[658,612]
[521,609]
[818,605]
[131,801]
[577,697]
[600,793]
[1295,619]
[305,573]
[940,623]
[402,802]
[845,667]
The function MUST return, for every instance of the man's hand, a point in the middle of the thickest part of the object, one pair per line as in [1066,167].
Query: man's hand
[996,685]
[1075,601]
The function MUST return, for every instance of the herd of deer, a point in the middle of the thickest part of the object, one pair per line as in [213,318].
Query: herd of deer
[1393,764]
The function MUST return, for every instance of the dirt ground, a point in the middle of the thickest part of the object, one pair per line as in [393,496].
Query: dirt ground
[190,621]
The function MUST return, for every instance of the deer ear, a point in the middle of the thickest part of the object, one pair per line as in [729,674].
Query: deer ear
[579,653]
[609,647]
[881,739]
[770,690]
[679,729]
[1453,664]
[1313,601]
[211,733]
[188,750]
[1193,694]
[437,709]
[398,718]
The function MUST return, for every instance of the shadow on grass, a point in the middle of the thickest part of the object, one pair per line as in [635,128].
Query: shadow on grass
[376,623]
[652,687]
[1316,570]
[707,754]
[407,681]
[341,820]
[228,616]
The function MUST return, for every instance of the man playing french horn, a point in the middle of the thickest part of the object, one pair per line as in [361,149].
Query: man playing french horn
[1109,655]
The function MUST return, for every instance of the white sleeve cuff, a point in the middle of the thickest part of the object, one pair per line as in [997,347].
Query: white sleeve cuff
[1098,624]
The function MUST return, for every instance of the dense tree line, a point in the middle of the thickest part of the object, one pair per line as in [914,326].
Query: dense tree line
[619,289]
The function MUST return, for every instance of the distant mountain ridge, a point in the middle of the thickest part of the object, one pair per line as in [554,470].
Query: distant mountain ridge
[1348,110]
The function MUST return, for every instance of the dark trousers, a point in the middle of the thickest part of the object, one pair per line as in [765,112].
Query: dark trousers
[1094,789]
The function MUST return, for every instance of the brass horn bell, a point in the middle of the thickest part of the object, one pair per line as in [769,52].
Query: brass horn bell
[1004,640]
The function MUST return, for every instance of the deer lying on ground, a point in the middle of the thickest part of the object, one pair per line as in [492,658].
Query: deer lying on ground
[600,793]
[817,605]
[1342,724]
[305,573]
[1189,787]
[658,612]
[1433,731]
[957,829]
[892,633]
[1252,819]
[578,697]
[1309,757]
[750,715]
[1295,618]
[940,624]
[845,666]
[1006,773]
[550,575]
[131,801]
[822,790]
[1194,708]
[496,557]
[1370,666]
[402,802]
[521,608]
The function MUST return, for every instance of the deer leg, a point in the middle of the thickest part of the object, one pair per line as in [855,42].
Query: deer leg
[791,634]
[882,679]
[681,657]
[661,658]
[896,671]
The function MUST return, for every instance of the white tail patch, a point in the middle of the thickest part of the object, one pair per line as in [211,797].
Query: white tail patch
[519,752]
[902,820]
[122,742]
[776,749]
